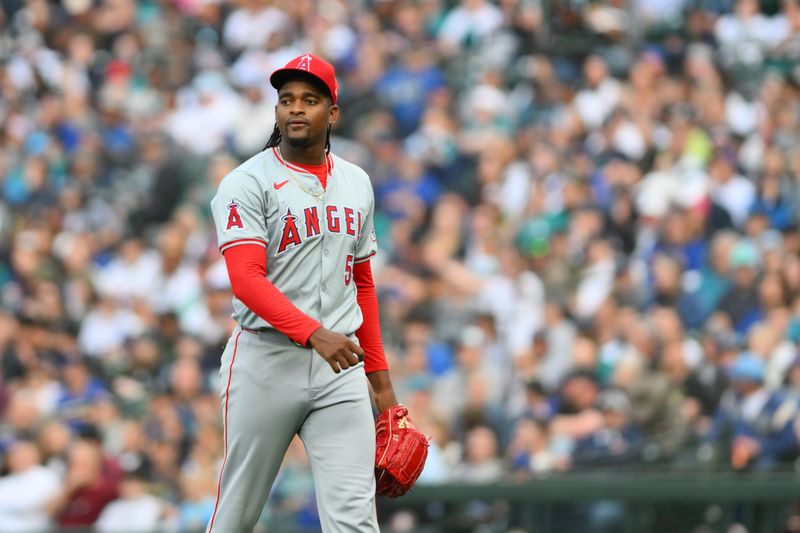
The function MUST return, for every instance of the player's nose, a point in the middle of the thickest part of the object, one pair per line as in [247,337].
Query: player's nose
[297,108]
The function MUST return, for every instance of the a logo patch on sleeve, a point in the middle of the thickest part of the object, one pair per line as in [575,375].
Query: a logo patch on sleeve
[234,219]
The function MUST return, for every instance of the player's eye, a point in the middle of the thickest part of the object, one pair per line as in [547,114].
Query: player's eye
[311,101]
[285,101]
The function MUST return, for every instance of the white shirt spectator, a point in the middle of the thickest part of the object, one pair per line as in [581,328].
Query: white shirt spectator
[477,18]
[517,306]
[142,514]
[629,140]
[515,190]
[253,122]
[23,497]
[745,38]
[106,328]
[180,292]
[338,42]
[736,196]
[134,278]
[254,66]
[741,115]
[779,362]
[655,11]
[595,105]
[595,286]
[44,393]
[216,276]
[246,28]
[554,366]
[436,469]
[205,114]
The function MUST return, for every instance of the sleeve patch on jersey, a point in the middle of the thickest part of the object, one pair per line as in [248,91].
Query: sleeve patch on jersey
[234,219]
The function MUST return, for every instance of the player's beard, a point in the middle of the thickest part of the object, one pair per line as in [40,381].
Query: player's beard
[298,142]
[304,141]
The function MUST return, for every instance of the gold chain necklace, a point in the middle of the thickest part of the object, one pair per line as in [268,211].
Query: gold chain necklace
[291,174]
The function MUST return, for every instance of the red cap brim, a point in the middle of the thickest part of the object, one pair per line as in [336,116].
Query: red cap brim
[282,75]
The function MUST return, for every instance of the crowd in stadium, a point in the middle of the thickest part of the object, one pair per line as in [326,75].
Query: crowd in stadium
[587,219]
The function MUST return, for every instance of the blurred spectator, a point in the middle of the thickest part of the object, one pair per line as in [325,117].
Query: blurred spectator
[740,303]
[106,328]
[196,507]
[135,510]
[619,441]
[703,290]
[26,490]
[481,461]
[734,192]
[657,407]
[760,422]
[538,404]
[707,382]
[467,24]
[407,86]
[576,416]
[54,441]
[87,487]
[470,368]
[746,34]
[529,449]
[560,335]
[595,103]
[80,392]
[252,24]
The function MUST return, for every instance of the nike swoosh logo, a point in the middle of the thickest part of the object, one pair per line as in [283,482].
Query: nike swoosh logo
[279,185]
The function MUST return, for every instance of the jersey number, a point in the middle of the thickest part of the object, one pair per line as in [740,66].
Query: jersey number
[348,269]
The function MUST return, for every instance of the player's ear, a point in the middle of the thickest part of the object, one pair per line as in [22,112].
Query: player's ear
[333,114]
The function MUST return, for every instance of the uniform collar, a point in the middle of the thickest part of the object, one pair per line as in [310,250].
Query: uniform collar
[296,168]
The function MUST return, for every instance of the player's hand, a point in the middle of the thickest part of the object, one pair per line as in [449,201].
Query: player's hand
[339,351]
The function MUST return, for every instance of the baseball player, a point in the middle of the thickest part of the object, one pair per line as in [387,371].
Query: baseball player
[295,225]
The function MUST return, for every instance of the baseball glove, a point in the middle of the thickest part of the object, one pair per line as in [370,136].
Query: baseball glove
[400,452]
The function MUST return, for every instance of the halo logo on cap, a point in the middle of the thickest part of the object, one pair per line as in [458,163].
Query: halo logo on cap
[305,62]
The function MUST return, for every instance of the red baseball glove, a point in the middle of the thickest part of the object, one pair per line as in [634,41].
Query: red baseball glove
[400,452]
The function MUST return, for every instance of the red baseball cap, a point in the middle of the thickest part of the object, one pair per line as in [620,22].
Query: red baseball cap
[311,65]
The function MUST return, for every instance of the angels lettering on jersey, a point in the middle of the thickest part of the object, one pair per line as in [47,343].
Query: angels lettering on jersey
[336,219]
[297,228]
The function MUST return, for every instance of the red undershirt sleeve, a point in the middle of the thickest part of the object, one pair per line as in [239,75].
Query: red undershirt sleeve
[369,334]
[247,268]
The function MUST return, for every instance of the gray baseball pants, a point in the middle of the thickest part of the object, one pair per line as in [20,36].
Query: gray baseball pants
[272,390]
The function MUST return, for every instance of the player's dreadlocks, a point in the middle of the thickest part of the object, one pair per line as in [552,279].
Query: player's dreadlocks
[275,139]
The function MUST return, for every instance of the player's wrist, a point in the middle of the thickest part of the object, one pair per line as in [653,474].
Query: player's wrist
[386,403]
[382,389]
[380,382]
[307,339]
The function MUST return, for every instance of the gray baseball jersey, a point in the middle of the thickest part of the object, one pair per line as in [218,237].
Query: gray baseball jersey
[273,389]
[313,236]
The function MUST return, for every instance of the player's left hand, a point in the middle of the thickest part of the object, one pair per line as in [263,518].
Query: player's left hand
[400,452]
